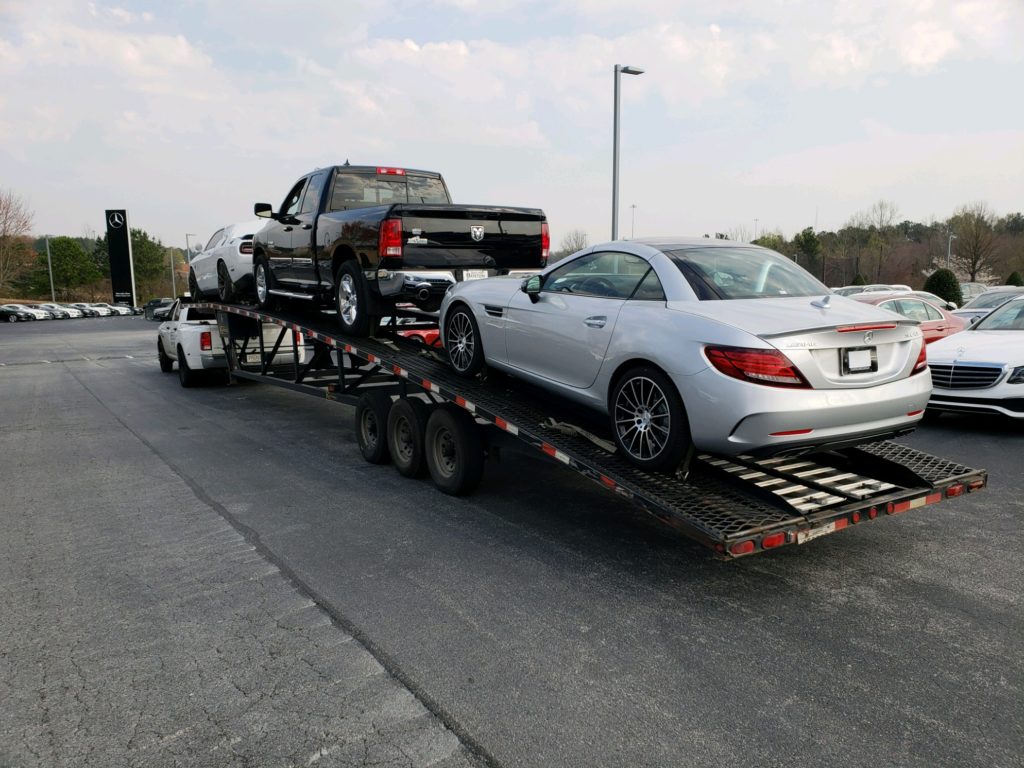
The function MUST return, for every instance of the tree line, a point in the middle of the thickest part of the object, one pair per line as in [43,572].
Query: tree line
[80,265]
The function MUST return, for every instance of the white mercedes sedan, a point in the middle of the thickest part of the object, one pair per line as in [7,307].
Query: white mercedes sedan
[720,346]
[981,370]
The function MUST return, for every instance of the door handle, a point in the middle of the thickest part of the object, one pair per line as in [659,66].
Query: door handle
[307,226]
[287,229]
[596,321]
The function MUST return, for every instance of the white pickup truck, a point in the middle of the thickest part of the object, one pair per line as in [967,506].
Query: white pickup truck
[189,338]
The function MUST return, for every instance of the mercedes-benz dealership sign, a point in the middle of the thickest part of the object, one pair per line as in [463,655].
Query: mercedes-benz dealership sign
[119,246]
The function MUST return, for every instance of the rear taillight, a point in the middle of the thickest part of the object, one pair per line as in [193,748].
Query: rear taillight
[245,246]
[922,359]
[206,341]
[545,243]
[760,366]
[389,244]
[391,171]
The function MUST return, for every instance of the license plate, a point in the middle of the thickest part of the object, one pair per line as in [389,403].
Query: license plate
[859,360]
[474,274]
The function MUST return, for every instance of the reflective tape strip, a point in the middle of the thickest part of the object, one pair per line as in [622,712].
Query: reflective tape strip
[349,349]
[608,482]
[430,386]
[500,423]
[554,453]
[400,371]
[464,403]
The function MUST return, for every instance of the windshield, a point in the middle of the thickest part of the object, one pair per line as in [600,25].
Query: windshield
[743,273]
[1009,317]
[988,300]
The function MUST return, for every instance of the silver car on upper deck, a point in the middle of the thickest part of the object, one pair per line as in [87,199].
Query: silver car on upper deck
[689,342]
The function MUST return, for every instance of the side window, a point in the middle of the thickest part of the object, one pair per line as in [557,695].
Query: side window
[347,192]
[609,274]
[892,306]
[215,240]
[290,206]
[176,310]
[312,197]
[649,289]
[933,313]
[914,310]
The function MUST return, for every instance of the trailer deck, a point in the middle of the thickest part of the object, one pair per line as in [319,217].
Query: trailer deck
[735,505]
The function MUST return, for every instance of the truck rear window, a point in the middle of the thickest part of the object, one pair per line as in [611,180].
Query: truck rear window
[365,191]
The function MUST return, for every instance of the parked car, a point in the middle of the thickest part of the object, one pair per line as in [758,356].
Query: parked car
[935,323]
[931,298]
[731,349]
[853,290]
[9,315]
[115,309]
[89,310]
[38,314]
[151,305]
[60,311]
[969,290]
[189,337]
[982,369]
[223,269]
[163,311]
[982,304]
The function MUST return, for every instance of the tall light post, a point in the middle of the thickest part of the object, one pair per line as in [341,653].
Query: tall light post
[619,69]
[188,252]
[755,227]
[49,267]
[949,247]
[632,221]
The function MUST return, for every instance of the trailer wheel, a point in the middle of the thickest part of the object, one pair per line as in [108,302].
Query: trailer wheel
[264,282]
[407,428]
[455,452]
[648,419]
[186,375]
[371,426]
[225,287]
[166,363]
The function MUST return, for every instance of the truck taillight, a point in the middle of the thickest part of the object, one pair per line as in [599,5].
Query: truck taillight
[389,244]
[545,243]
[206,341]
[245,246]
[391,171]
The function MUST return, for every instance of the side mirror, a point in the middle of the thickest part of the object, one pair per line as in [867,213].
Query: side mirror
[531,287]
[973,320]
[951,305]
[263,210]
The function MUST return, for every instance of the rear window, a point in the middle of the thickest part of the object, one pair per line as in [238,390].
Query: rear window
[988,300]
[1008,317]
[201,314]
[743,273]
[353,190]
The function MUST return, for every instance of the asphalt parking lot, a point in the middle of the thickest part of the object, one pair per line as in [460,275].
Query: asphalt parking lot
[215,577]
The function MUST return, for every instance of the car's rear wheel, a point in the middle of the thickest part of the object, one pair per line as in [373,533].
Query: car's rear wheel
[166,363]
[225,287]
[371,426]
[407,428]
[353,300]
[186,375]
[462,341]
[193,285]
[648,419]
[12,318]
[264,283]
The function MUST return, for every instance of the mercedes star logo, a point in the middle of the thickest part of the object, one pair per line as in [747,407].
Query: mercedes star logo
[868,337]
[477,232]
[116,220]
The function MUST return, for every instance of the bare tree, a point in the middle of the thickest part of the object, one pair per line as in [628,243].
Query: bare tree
[574,240]
[976,242]
[15,224]
[883,217]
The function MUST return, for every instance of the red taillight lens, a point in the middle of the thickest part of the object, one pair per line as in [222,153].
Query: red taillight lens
[245,246]
[773,540]
[205,341]
[389,246]
[760,366]
[742,547]
[391,171]
[922,359]
[545,243]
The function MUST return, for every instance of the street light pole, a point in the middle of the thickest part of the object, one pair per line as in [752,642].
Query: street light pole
[49,267]
[949,247]
[632,222]
[755,227]
[619,68]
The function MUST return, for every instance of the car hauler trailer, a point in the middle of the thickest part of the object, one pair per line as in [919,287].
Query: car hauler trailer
[411,408]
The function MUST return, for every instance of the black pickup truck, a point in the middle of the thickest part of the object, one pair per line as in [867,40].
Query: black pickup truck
[366,238]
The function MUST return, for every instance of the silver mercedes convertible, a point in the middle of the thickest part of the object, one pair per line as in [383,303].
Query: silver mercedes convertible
[689,342]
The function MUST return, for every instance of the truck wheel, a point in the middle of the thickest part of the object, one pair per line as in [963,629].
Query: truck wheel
[225,288]
[371,426]
[264,282]
[166,363]
[186,375]
[193,286]
[407,427]
[353,300]
[455,452]
[649,420]
[462,341]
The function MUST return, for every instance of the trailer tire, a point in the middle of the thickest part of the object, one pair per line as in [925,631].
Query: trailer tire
[225,287]
[454,450]
[407,429]
[166,363]
[186,375]
[352,300]
[462,341]
[371,426]
[643,401]
[263,282]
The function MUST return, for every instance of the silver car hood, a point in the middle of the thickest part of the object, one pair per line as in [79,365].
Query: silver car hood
[787,315]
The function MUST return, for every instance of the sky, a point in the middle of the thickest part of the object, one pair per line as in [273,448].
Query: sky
[774,114]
